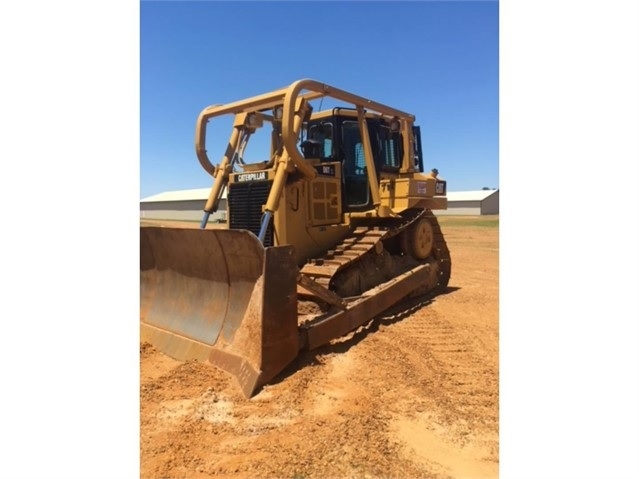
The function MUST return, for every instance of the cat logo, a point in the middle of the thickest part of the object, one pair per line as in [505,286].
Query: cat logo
[257,176]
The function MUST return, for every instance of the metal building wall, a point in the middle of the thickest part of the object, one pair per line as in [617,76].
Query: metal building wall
[490,205]
[191,210]
[466,208]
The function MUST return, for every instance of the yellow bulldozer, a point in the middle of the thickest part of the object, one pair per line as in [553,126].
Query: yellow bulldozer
[333,227]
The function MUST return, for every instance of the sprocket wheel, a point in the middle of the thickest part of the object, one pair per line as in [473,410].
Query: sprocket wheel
[418,239]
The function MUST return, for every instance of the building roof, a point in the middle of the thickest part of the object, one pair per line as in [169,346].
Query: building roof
[475,195]
[181,195]
[203,194]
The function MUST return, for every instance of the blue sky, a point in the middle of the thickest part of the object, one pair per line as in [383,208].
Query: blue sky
[437,60]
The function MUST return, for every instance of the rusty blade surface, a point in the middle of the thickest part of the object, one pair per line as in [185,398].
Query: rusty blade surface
[197,283]
[218,295]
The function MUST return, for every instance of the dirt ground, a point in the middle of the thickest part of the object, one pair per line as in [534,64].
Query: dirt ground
[414,393]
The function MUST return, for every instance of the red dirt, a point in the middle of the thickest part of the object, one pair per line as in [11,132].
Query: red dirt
[412,394]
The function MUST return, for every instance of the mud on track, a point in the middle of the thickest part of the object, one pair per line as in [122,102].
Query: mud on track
[413,393]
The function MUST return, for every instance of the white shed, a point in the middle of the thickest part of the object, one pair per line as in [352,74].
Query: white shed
[187,205]
[472,203]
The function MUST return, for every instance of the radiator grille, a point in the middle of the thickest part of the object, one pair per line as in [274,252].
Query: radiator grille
[245,201]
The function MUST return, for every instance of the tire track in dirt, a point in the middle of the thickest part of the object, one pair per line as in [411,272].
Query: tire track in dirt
[447,414]
[346,386]
[462,372]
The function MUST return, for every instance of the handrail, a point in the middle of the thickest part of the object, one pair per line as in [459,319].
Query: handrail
[288,98]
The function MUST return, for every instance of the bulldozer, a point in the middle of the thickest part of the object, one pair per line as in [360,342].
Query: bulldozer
[333,226]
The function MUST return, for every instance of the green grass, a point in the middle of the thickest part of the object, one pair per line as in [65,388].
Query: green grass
[473,221]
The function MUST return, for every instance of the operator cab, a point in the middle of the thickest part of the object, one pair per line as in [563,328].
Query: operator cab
[336,138]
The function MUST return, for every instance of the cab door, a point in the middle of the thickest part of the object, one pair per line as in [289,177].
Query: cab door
[357,195]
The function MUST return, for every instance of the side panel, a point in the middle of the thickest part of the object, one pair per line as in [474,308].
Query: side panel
[419,192]
[325,200]
[310,216]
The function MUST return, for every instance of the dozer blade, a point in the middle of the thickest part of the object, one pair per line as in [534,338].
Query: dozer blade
[219,296]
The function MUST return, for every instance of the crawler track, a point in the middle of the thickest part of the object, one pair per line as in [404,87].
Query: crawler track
[366,239]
